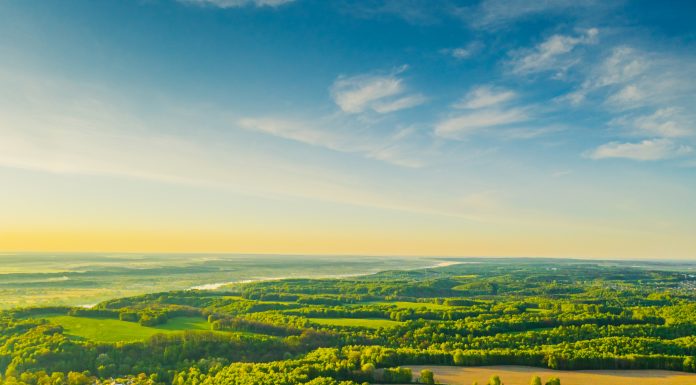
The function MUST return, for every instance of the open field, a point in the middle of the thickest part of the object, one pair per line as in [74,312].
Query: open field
[414,305]
[361,322]
[112,330]
[520,375]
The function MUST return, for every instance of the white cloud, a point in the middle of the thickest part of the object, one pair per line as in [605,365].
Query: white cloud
[663,123]
[623,65]
[334,135]
[297,131]
[460,126]
[650,96]
[399,104]
[622,73]
[237,3]
[381,93]
[94,131]
[491,14]
[649,149]
[529,132]
[463,52]
[627,95]
[421,12]
[485,96]
[460,53]
[551,55]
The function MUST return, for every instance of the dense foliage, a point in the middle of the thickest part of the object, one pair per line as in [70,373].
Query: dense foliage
[560,315]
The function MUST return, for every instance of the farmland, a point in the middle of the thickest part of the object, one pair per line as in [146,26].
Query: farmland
[520,375]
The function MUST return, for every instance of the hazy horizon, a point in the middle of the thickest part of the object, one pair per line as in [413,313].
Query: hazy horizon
[164,254]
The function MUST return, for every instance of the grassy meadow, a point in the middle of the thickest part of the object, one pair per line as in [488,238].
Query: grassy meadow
[356,322]
[113,330]
[414,305]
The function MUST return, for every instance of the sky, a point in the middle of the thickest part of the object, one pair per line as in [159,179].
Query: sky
[552,128]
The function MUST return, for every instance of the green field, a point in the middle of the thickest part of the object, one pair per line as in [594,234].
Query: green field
[415,305]
[112,330]
[357,322]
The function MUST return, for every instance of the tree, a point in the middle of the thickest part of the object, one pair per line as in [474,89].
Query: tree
[689,364]
[458,358]
[536,380]
[495,380]
[427,377]
[369,369]
[553,381]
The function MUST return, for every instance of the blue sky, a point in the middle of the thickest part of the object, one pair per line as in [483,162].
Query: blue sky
[555,128]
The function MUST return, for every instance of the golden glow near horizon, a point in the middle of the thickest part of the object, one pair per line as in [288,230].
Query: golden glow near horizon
[332,244]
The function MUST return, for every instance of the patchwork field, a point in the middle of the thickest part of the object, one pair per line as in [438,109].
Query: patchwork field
[361,322]
[521,375]
[112,330]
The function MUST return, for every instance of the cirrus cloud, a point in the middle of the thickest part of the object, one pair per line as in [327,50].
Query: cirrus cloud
[485,96]
[237,3]
[552,54]
[649,149]
[382,93]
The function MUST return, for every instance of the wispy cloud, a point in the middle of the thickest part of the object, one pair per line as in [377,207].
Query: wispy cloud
[493,14]
[627,95]
[399,104]
[339,136]
[421,12]
[649,149]
[618,72]
[664,123]
[552,54]
[464,52]
[380,93]
[485,96]
[86,130]
[461,126]
[646,95]
[237,3]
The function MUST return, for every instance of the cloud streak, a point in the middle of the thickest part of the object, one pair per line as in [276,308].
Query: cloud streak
[379,93]
[485,96]
[461,126]
[333,134]
[495,14]
[646,150]
[236,3]
[552,54]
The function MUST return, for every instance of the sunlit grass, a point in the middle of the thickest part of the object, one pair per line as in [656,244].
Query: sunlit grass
[356,322]
[112,330]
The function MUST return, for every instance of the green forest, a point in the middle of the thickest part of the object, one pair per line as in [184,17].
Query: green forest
[544,313]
